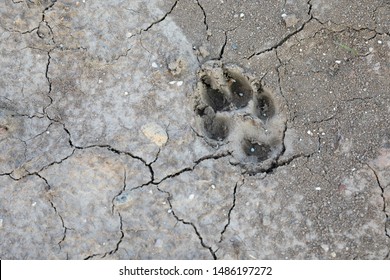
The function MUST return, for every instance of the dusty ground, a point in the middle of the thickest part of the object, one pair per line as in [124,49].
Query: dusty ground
[187,129]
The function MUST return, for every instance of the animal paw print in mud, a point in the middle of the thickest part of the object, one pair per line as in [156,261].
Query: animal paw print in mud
[235,110]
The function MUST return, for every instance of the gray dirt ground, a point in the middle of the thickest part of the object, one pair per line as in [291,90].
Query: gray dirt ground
[134,129]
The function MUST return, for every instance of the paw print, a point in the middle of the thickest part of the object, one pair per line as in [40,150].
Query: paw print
[234,109]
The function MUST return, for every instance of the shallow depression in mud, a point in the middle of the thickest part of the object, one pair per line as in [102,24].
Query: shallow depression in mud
[265,108]
[215,98]
[241,91]
[234,109]
[255,149]
[217,128]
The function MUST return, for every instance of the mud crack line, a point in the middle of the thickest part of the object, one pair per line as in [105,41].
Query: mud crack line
[212,252]
[113,251]
[231,209]
[49,83]
[161,19]
[120,239]
[64,227]
[284,39]
[383,197]
[189,169]
[204,17]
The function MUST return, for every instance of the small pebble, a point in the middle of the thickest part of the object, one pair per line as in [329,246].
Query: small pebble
[379,42]
[159,243]
[155,133]
[154,65]
[191,197]
[338,61]
[179,83]
[325,247]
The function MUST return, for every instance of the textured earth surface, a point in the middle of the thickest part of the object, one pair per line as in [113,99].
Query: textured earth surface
[194,129]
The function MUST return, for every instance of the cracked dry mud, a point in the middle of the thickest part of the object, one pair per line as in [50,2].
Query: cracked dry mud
[194,129]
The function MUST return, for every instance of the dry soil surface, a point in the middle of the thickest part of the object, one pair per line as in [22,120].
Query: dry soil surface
[193,129]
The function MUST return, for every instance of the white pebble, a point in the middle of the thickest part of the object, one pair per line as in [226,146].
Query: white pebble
[159,243]
[191,197]
[318,188]
[126,93]
[309,132]
[172,82]
[213,186]
[242,15]
[338,61]
[154,65]
[179,83]
[169,211]
[379,42]
[325,247]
